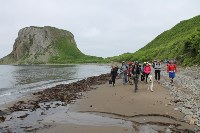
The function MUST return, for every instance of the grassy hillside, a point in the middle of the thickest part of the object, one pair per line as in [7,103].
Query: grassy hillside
[182,42]
[67,52]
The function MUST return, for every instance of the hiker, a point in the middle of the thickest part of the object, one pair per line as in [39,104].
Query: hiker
[171,69]
[123,71]
[147,70]
[130,65]
[157,68]
[135,74]
[153,63]
[142,71]
[113,74]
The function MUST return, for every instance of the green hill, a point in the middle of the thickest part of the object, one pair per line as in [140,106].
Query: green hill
[182,42]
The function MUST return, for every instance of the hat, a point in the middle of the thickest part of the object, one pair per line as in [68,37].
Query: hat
[130,63]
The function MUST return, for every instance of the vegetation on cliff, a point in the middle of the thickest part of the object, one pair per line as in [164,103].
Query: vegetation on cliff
[182,43]
[68,53]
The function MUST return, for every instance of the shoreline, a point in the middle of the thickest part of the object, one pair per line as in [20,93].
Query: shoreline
[23,83]
[100,99]
[59,64]
[70,92]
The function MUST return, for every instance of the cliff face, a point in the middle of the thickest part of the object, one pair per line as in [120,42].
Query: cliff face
[40,45]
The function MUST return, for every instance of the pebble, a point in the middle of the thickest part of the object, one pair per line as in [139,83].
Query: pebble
[168,131]
[186,94]
[188,118]
[176,109]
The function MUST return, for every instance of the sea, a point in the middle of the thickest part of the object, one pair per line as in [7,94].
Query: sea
[20,81]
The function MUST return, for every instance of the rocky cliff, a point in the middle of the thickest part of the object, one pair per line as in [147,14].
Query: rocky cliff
[40,45]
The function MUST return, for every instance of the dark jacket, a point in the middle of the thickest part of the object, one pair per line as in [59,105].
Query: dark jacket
[114,72]
[136,70]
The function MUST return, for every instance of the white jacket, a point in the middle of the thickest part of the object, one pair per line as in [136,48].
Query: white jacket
[157,66]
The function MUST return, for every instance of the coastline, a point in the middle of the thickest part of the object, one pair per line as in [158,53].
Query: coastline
[144,110]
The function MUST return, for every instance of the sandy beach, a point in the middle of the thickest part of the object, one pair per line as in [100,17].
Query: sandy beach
[152,109]
[114,109]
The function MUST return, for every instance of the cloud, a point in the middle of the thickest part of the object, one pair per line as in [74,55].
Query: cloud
[101,28]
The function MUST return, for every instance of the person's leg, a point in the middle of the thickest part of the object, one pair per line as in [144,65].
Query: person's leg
[136,84]
[137,79]
[171,77]
[123,78]
[143,76]
[113,80]
[131,80]
[146,77]
[128,77]
[156,74]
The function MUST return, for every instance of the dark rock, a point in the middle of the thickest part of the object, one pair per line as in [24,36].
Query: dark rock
[23,116]
[2,118]
[42,113]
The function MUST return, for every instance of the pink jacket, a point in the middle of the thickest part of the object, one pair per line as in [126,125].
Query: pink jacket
[147,69]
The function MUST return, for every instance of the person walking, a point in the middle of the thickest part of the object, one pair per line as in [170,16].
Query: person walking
[135,74]
[123,71]
[130,66]
[171,69]
[142,71]
[113,74]
[147,70]
[157,68]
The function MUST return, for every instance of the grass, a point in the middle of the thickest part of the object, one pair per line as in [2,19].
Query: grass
[67,52]
[182,42]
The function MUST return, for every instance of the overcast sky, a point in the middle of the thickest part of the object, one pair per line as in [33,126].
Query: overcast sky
[101,27]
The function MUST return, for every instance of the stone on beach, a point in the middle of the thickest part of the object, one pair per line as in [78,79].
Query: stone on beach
[2,118]
[186,93]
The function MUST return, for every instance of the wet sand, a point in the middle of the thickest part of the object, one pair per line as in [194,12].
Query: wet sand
[147,111]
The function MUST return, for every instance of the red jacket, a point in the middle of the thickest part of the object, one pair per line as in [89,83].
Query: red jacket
[147,69]
[129,70]
[171,67]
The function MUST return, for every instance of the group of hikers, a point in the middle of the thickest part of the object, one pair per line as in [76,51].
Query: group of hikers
[133,71]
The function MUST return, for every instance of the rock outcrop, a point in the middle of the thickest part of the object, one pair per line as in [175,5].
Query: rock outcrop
[38,45]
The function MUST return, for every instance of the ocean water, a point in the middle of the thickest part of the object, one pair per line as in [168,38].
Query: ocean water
[20,81]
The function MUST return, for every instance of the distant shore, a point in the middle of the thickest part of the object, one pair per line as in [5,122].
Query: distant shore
[96,101]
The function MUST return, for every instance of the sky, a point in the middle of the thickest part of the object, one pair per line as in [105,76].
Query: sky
[101,28]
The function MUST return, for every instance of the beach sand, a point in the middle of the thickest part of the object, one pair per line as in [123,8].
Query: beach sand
[146,111]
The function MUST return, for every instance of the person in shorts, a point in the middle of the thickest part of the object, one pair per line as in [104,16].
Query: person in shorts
[171,69]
